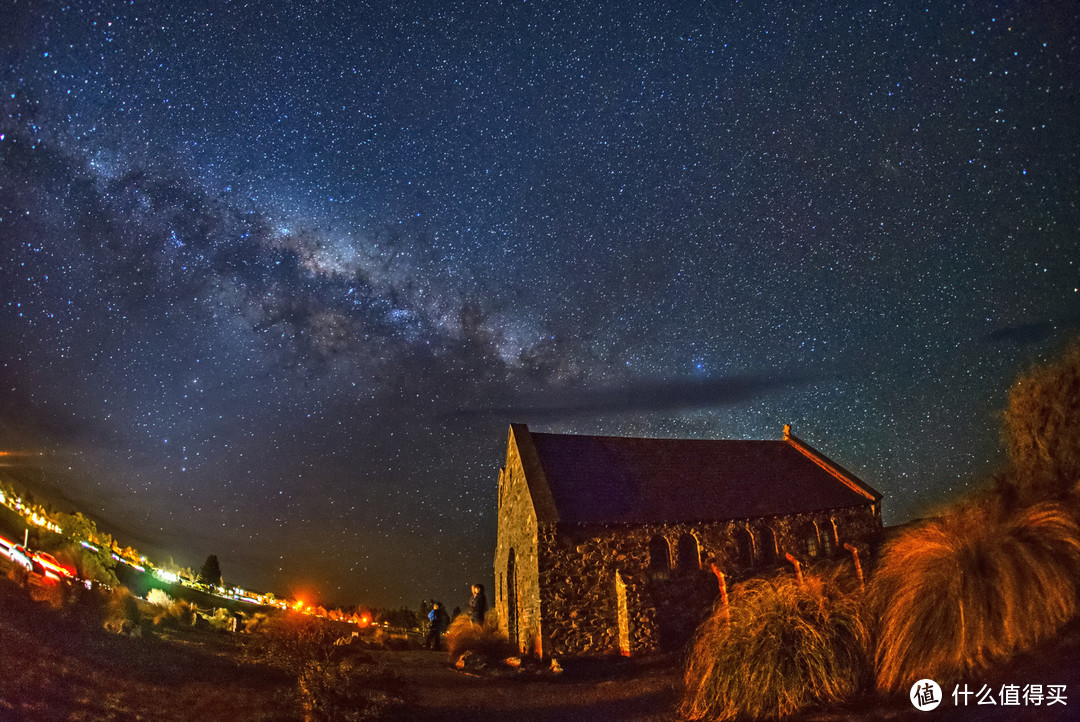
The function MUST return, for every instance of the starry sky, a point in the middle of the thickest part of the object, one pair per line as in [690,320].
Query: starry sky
[276,276]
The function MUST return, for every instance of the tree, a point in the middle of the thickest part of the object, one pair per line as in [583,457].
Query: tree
[210,573]
[90,564]
[1041,429]
[403,617]
[78,527]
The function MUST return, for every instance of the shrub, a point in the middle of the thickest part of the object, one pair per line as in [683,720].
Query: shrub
[158,598]
[779,648]
[255,623]
[326,688]
[223,620]
[464,635]
[18,574]
[971,588]
[178,613]
[122,614]
[53,593]
[1040,428]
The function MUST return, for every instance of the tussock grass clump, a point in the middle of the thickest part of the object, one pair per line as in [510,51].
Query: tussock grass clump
[464,635]
[256,622]
[327,689]
[779,648]
[971,588]
[158,598]
[178,613]
[122,615]
[223,620]
[1041,432]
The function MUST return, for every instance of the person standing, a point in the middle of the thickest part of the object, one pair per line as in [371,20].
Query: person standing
[477,604]
[437,623]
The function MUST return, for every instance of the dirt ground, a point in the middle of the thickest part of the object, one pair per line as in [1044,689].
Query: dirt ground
[56,666]
[606,689]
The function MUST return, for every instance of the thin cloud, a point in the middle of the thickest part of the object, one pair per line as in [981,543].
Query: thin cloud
[1023,334]
[640,397]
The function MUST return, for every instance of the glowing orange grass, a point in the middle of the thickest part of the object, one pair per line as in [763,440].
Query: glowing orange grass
[972,588]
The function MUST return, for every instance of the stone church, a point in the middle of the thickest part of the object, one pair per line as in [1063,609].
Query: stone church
[615,545]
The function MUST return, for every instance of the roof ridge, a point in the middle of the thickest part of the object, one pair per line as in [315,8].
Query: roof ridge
[835,470]
[656,438]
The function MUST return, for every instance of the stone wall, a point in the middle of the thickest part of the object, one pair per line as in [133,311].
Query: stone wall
[668,591]
[517,590]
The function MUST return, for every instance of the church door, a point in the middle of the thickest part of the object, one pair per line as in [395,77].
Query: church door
[512,602]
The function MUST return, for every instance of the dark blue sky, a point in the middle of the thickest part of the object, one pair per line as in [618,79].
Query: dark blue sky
[275,277]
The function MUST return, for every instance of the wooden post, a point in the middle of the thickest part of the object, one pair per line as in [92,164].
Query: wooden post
[858,567]
[798,567]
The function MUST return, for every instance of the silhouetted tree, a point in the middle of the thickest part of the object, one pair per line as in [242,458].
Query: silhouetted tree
[1042,431]
[403,617]
[210,573]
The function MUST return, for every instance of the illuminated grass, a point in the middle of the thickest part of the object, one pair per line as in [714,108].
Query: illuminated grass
[785,648]
[464,635]
[1041,432]
[972,588]
[179,613]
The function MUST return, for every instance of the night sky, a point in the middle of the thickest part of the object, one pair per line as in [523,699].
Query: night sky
[275,277]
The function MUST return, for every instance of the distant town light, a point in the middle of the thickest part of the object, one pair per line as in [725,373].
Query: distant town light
[166,576]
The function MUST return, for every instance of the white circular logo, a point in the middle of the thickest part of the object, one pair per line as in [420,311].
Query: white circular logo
[925,695]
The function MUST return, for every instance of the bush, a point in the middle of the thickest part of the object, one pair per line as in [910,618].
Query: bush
[56,594]
[780,647]
[464,635]
[158,598]
[326,688]
[1041,430]
[971,588]
[122,614]
[177,614]
[223,620]
[254,623]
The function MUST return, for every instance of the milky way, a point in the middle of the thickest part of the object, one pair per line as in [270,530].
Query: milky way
[275,277]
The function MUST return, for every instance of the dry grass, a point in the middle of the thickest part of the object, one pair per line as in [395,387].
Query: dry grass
[1040,429]
[328,686]
[158,598]
[972,588]
[464,635]
[122,614]
[783,647]
[177,614]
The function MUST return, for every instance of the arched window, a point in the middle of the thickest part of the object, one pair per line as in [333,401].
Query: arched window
[770,547]
[744,541]
[512,600]
[825,540]
[659,558]
[688,553]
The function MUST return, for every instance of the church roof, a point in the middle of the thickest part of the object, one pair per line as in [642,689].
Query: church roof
[609,479]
